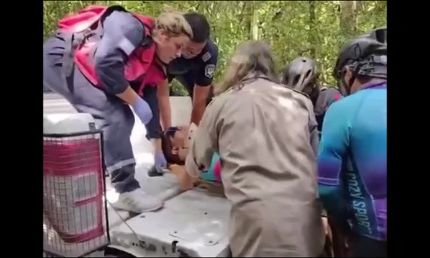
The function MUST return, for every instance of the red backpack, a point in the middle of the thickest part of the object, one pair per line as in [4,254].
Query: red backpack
[141,64]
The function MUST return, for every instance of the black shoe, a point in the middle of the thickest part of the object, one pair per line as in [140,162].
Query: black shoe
[154,171]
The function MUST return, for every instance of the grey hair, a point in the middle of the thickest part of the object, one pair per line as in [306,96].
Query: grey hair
[251,59]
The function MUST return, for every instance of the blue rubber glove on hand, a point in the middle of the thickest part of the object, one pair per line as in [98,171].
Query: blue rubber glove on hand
[142,110]
[160,160]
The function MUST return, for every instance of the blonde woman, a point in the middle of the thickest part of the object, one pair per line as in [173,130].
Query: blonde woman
[266,136]
[104,60]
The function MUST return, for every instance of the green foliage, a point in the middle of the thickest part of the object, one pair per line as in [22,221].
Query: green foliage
[316,29]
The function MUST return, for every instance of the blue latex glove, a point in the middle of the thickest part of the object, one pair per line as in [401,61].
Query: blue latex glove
[160,160]
[142,110]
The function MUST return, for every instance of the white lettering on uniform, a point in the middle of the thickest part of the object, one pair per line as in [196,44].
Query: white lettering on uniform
[206,56]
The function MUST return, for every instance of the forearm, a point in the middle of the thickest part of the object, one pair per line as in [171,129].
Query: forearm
[129,96]
[315,140]
[197,112]
[200,97]
[164,105]
[140,107]
[186,182]
[332,199]
[156,143]
[329,182]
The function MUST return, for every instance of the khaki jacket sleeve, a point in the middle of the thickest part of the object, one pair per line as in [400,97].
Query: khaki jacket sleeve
[313,128]
[205,139]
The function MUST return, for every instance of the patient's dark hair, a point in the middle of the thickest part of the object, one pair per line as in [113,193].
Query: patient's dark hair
[166,145]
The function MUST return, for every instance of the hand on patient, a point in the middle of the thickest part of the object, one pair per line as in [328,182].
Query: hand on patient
[186,182]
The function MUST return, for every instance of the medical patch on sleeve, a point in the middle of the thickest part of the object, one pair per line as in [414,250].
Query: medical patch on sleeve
[126,46]
[206,56]
[209,70]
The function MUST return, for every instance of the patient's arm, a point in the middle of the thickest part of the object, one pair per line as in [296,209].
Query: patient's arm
[186,182]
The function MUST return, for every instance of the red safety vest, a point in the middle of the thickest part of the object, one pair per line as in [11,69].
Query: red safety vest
[141,64]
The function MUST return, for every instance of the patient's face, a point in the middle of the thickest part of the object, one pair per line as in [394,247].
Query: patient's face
[179,142]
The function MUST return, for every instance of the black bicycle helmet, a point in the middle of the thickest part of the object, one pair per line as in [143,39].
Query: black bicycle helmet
[300,73]
[380,35]
[366,55]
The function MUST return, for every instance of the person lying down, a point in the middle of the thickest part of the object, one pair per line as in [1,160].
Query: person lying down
[175,143]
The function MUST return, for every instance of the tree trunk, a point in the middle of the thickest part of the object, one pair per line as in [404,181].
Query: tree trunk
[359,6]
[199,7]
[348,18]
[247,18]
[209,8]
[312,29]
[254,22]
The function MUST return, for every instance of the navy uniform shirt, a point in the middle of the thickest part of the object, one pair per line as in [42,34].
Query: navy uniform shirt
[197,70]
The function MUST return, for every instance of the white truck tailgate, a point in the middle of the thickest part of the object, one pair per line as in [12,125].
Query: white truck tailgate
[193,223]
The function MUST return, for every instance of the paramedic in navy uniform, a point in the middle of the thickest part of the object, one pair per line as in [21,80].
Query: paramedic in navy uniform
[194,70]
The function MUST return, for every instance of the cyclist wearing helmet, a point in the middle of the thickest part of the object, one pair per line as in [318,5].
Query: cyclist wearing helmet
[352,161]
[302,75]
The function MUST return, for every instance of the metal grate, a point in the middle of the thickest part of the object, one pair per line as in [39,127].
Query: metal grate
[74,205]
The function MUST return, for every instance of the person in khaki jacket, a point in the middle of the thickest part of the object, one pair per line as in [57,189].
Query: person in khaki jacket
[266,136]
